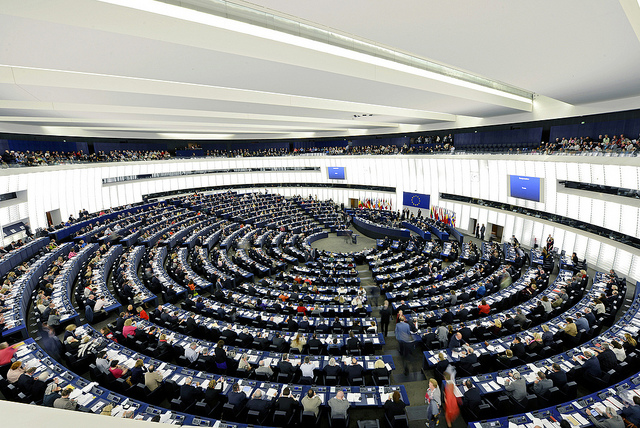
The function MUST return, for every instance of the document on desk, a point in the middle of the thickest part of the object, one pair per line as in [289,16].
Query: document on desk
[165,417]
[494,385]
[85,399]
[97,407]
[599,407]
[457,392]
[487,386]
[581,419]
[614,403]
[75,393]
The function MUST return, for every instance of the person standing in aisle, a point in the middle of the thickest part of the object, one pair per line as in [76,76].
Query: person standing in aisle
[482,230]
[405,342]
[477,231]
[385,317]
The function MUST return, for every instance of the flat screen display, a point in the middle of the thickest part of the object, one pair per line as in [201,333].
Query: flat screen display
[336,172]
[524,187]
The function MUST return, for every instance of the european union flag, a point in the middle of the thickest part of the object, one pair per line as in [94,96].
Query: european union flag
[417,200]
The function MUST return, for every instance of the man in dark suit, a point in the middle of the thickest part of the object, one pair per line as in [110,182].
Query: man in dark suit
[190,323]
[508,323]
[286,403]
[518,348]
[236,397]
[279,342]
[261,340]
[478,331]
[557,376]
[337,325]
[447,317]
[591,318]
[189,393]
[456,341]
[467,359]
[245,337]
[471,398]
[356,328]
[353,343]
[591,365]
[322,327]
[285,366]
[354,370]
[462,313]
[314,342]
[127,291]
[607,358]
[258,404]
[466,333]
[26,380]
[292,325]
[304,324]
[385,316]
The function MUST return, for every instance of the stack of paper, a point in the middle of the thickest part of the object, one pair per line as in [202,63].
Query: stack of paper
[353,397]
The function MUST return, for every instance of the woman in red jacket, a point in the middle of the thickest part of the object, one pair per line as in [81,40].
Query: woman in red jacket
[484,309]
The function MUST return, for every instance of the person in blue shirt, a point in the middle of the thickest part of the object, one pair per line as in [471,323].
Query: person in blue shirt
[481,291]
[405,341]
[632,413]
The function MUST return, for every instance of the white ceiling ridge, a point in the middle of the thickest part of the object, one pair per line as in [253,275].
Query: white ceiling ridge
[160,111]
[161,122]
[154,20]
[112,83]
[237,13]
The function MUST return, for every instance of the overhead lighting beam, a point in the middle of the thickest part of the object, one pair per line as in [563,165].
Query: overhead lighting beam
[190,15]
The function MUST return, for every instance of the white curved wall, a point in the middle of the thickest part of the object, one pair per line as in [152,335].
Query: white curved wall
[72,187]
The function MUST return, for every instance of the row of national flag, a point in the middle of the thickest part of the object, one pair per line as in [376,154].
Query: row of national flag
[443,214]
[375,204]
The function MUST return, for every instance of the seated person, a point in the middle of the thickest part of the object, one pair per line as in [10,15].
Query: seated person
[516,387]
[307,369]
[557,376]
[354,370]
[632,413]
[332,369]
[311,402]
[613,420]
[236,397]
[379,369]
[471,398]
[606,357]
[542,385]
[259,404]
[286,403]
[190,393]
[339,405]
[591,366]
[286,367]
[394,405]
[118,370]
[264,369]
